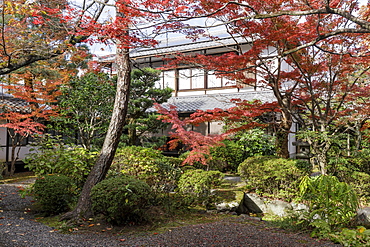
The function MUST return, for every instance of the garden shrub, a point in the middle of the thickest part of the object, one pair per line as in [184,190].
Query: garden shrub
[332,204]
[360,182]
[272,176]
[158,171]
[196,185]
[121,199]
[227,157]
[53,157]
[54,193]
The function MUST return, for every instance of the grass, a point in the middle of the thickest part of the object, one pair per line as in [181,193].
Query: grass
[161,224]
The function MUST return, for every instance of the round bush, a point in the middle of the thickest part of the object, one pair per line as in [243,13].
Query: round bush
[158,171]
[196,185]
[121,199]
[273,176]
[55,193]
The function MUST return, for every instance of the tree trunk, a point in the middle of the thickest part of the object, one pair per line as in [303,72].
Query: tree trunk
[132,136]
[282,135]
[101,167]
[281,143]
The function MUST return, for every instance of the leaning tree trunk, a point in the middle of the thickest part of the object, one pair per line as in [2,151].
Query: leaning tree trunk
[101,167]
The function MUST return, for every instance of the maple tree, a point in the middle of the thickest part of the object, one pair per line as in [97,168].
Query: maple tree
[131,28]
[32,93]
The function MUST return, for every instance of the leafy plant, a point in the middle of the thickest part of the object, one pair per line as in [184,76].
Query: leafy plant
[51,156]
[332,204]
[85,105]
[359,237]
[54,193]
[121,199]
[272,176]
[158,171]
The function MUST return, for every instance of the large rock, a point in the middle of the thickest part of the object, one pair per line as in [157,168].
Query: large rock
[252,203]
[248,205]
[279,208]
[363,217]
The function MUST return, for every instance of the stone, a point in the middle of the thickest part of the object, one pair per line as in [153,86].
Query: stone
[227,206]
[363,217]
[279,208]
[232,179]
[299,207]
[247,206]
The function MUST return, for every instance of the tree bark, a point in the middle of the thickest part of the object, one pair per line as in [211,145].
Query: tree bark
[101,167]
[281,143]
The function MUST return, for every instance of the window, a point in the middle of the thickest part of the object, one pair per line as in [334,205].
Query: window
[168,80]
[191,79]
[217,82]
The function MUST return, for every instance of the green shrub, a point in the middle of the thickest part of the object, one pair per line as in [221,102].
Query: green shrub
[227,157]
[54,193]
[53,157]
[121,199]
[196,185]
[360,182]
[158,171]
[272,176]
[332,204]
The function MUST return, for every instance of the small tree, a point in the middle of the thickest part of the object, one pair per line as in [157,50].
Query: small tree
[86,106]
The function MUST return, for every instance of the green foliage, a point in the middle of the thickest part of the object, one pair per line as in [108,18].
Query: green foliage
[250,143]
[272,176]
[51,156]
[143,95]
[54,193]
[121,199]
[332,204]
[360,160]
[196,185]
[158,171]
[359,237]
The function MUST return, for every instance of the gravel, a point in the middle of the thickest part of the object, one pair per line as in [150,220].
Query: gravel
[18,228]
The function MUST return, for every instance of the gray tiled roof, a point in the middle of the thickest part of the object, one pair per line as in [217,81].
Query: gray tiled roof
[9,102]
[208,102]
[188,46]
